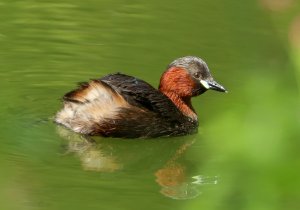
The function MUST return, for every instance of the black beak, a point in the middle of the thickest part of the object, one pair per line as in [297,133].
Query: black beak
[212,85]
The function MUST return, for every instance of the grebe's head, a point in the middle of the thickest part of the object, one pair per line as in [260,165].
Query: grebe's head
[188,76]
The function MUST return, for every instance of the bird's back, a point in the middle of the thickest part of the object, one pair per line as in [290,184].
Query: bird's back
[119,105]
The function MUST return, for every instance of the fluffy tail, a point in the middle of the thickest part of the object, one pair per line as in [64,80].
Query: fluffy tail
[88,106]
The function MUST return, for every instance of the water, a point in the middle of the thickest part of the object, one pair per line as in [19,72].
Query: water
[245,155]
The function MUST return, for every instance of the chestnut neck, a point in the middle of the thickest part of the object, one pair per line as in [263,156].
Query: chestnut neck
[183,104]
[177,85]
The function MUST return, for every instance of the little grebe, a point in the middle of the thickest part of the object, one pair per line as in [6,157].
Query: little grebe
[119,105]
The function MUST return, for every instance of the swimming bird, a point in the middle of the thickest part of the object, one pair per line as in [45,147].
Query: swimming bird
[118,105]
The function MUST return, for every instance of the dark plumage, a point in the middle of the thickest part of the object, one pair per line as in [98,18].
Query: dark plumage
[119,105]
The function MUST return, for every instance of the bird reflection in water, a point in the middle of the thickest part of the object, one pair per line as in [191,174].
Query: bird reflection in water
[172,173]
[92,156]
[174,180]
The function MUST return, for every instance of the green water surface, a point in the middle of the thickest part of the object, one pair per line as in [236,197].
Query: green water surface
[246,154]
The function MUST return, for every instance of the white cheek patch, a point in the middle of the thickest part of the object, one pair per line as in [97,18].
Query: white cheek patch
[205,84]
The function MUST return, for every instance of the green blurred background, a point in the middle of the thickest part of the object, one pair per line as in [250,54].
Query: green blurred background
[246,154]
